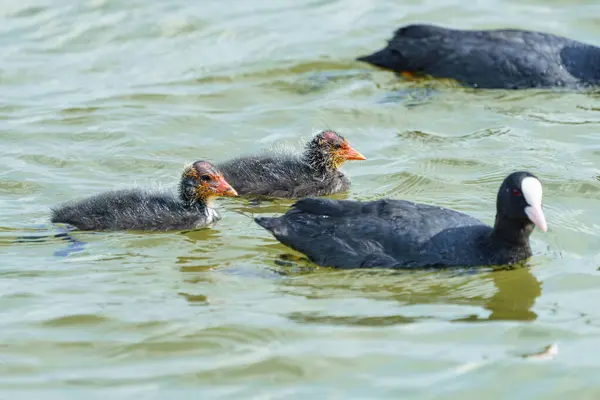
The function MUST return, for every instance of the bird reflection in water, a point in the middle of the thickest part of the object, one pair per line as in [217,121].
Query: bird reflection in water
[516,290]
[60,232]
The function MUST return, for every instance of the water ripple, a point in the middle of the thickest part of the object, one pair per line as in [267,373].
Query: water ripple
[108,94]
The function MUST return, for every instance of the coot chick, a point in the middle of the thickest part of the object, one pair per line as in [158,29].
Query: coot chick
[403,234]
[138,209]
[501,59]
[315,173]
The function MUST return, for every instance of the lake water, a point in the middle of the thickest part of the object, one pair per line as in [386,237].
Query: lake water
[105,94]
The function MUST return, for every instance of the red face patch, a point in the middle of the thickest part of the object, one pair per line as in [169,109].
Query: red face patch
[203,166]
[330,136]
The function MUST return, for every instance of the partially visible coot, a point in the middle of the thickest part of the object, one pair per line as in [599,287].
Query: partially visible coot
[314,173]
[403,234]
[138,209]
[505,59]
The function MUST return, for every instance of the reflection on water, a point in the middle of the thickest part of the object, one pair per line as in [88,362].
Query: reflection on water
[57,235]
[511,296]
[516,293]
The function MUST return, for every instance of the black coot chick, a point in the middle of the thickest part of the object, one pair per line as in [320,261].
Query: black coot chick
[403,234]
[501,59]
[138,209]
[315,173]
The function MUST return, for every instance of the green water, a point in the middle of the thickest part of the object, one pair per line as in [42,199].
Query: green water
[104,94]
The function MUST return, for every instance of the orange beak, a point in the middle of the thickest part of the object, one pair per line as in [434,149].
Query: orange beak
[224,189]
[350,154]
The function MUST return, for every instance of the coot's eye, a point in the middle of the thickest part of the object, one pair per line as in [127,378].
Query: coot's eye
[516,192]
[205,178]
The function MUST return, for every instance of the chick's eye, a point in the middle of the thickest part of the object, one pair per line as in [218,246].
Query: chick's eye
[516,192]
[205,178]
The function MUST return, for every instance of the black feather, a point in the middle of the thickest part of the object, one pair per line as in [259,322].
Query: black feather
[507,58]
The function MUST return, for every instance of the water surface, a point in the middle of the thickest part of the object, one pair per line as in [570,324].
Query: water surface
[104,94]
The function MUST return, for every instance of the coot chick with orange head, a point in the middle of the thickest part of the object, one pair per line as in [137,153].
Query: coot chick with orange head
[403,234]
[502,59]
[138,209]
[315,173]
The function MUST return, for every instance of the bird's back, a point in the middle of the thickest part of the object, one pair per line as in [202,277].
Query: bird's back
[504,58]
[279,175]
[383,233]
[129,210]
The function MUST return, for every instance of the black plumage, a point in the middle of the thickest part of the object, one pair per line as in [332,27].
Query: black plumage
[505,59]
[314,173]
[146,210]
[403,234]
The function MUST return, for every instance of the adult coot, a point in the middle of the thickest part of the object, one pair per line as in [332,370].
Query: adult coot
[137,209]
[403,234]
[315,173]
[508,58]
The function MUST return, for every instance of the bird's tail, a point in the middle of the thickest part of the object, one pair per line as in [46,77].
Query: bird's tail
[385,58]
[273,225]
